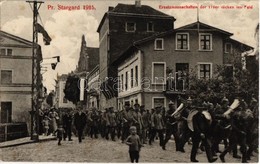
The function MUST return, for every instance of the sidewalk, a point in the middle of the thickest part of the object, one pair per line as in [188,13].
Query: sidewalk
[26,140]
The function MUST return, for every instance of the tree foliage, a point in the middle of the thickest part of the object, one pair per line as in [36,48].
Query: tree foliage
[71,90]
[226,82]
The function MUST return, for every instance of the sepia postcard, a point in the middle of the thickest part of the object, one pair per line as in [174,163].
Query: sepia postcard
[111,81]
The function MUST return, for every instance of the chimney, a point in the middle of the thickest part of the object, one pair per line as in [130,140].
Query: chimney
[137,3]
[110,8]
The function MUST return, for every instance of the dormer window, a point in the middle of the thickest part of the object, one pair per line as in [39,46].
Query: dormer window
[150,27]
[158,44]
[228,48]
[205,41]
[130,27]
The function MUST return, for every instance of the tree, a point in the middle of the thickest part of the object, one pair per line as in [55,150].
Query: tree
[228,82]
[71,90]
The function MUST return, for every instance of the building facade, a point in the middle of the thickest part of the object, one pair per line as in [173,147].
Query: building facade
[60,101]
[15,78]
[93,90]
[119,27]
[154,70]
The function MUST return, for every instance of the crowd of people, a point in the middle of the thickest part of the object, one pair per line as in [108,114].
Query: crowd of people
[202,123]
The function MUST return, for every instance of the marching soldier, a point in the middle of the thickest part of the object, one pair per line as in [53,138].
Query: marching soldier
[80,122]
[138,122]
[67,122]
[171,127]
[184,131]
[93,118]
[111,116]
[126,122]
[157,124]
[201,128]
[145,118]
[238,133]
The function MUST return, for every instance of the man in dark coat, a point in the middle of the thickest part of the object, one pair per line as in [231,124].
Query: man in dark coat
[67,121]
[80,122]
[201,133]
[171,127]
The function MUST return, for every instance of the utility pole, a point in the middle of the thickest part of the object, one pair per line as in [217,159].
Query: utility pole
[36,76]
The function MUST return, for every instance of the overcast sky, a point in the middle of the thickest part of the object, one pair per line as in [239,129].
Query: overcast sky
[67,27]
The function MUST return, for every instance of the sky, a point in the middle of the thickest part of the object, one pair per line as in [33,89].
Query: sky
[67,27]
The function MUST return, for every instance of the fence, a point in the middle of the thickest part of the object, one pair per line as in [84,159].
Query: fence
[11,131]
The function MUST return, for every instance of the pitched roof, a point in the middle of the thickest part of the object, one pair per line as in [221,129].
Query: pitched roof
[133,10]
[202,26]
[196,25]
[136,44]
[16,38]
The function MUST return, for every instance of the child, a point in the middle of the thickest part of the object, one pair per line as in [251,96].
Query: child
[134,143]
[59,132]
[46,123]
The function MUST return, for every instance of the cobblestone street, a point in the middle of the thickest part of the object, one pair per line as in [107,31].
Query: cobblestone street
[99,150]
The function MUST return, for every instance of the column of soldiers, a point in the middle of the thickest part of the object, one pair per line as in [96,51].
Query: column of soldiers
[204,123]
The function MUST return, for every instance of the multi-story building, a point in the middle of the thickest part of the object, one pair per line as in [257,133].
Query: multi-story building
[119,27]
[15,78]
[60,101]
[154,70]
[93,90]
[16,85]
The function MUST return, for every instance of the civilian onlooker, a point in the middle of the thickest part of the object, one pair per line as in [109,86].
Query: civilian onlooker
[134,143]
[46,124]
[59,132]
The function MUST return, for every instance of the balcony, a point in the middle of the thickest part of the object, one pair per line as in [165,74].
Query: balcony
[177,84]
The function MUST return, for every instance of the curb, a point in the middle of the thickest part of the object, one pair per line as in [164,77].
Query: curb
[27,142]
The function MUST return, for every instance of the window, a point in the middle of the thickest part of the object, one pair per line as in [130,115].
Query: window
[132,78]
[136,75]
[122,82]
[158,101]
[228,48]
[126,80]
[150,27]
[6,51]
[158,73]
[6,76]
[130,27]
[205,42]
[158,44]
[205,71]
[2,51]
[65,100]
[182,41]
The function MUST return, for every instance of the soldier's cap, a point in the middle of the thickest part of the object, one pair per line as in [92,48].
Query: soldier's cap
[127,104]
[254,100]
[137,104]
[171,103]
[225,99]
[189,99]
[132,128]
